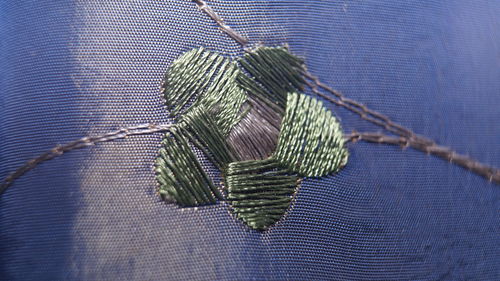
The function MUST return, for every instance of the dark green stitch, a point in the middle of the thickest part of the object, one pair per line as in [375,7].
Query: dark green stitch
[201,126]
[225,97]
[259,191]
[275,71]
[188,77]
[252,123]
[181,177]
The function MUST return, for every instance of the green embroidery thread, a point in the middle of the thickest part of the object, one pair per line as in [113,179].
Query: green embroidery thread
[259,191]
[183,178]
[250,119]
[311,142]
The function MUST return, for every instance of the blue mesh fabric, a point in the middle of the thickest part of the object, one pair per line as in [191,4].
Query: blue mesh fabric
[75,68]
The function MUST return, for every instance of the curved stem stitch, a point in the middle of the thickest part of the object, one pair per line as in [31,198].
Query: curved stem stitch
[406,136]
[492,174]
[202,5]
[80,143]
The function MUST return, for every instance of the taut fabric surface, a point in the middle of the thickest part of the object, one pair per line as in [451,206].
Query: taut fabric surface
[74,68]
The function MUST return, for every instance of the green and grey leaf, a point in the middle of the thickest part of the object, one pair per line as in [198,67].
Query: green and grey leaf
[250,120]
[274,72]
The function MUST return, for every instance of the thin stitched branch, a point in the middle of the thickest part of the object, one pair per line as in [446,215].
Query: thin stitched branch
[341,103]
[362,110]
[407,137]
[352,105]
[202,5]
[80,143]
[490,173]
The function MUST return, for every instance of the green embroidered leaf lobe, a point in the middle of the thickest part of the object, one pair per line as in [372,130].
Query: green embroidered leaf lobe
[310,142]
[181,177]
[259,191]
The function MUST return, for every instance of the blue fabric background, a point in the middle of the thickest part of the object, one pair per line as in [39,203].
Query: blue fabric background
[74,68]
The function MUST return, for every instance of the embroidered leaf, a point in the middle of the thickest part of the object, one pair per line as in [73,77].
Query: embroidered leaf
[310,141]
[259,191]
[188,77]
[274,72]
[205,133]
[224,98]
[200,77]
[181,177]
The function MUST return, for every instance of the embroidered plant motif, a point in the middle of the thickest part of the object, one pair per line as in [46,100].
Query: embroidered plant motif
[250,119]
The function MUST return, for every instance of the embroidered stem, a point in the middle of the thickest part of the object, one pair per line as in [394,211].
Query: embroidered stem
[490,173]
[362,110]
[407,137]
[80,143]
[202,5]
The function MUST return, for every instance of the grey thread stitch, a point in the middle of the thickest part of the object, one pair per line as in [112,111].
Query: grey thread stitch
[80,143]
[407,137]
[490,173]
[362,110]
[202,5]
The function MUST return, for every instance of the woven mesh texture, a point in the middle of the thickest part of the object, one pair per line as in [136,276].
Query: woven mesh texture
[75,68]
